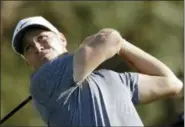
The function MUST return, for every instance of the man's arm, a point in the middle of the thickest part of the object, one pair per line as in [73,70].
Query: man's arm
[94,51]
[156,80]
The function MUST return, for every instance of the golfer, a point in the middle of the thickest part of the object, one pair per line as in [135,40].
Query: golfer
[66,89]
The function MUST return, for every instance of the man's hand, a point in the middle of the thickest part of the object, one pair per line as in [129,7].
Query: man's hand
[107,37]
[87,40]
[94,51]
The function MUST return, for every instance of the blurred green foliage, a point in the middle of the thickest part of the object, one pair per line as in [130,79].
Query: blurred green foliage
[155,26]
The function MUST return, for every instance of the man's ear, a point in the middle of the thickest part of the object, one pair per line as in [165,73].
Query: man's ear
[62,37]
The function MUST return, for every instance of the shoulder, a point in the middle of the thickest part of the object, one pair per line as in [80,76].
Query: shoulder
[102,72]
[103,75]
[53,67]
[53,72]
[106,73]
[111,75]
[53,75]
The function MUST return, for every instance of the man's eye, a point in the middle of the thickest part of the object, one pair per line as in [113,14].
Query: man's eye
[43,37]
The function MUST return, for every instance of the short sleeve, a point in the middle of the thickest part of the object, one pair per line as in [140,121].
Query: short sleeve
[130,79]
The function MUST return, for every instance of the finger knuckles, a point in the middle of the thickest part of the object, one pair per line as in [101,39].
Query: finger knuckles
[107,34]
[107,30]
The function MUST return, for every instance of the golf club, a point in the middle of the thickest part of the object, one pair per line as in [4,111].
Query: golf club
[29,98]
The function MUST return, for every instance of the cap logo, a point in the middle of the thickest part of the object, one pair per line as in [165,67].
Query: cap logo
[22,25]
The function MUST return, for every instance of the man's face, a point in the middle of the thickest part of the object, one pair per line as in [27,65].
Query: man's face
[40,45]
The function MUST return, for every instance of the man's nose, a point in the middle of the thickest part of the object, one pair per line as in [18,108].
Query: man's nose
[37,45]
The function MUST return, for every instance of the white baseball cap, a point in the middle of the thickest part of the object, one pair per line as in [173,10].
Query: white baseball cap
[25,24]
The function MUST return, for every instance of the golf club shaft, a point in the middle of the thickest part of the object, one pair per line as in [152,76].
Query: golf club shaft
[16,109]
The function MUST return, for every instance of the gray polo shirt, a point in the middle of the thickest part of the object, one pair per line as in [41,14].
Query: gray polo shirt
[104,98]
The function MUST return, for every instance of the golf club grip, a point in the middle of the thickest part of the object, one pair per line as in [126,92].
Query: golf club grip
[16,109]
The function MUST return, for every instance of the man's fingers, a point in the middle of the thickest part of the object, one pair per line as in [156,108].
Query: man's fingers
[89,38]
[102,35]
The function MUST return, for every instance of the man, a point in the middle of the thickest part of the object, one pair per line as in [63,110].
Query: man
[68,91]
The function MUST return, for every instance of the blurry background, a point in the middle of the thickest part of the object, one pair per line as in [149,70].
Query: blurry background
[156,27]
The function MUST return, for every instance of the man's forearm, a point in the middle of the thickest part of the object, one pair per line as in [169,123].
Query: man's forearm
[143,61]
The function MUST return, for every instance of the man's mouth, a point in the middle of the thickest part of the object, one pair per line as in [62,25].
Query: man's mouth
[43,55]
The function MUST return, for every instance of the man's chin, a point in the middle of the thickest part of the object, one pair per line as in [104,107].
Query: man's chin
[47,58]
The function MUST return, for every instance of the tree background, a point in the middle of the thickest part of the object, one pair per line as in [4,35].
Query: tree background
[154,26]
